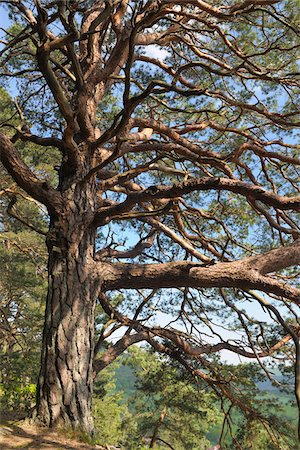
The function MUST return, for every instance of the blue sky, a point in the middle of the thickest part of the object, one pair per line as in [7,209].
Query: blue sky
[4,20]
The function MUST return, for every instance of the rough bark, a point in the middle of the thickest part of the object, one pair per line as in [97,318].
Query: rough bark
[66,375]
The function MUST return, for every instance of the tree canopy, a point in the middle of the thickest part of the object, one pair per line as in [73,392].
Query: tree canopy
[159,142]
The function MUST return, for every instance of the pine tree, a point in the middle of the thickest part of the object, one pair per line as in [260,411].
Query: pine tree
[188,150]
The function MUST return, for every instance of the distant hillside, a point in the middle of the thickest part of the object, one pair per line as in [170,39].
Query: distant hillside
[267,385]
[125,380]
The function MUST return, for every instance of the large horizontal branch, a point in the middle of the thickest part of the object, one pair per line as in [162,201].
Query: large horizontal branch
[25,178]
[181,341]
[245,274]
[220,184]
[277,259]
[148,335]
[251,191]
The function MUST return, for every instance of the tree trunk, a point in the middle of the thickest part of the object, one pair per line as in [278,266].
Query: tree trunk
[66,377]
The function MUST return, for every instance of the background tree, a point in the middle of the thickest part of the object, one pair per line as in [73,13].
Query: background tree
[170,408]
[188,149]
[23,285]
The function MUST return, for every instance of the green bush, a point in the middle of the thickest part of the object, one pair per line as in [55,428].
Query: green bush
[14,396]
[18,381]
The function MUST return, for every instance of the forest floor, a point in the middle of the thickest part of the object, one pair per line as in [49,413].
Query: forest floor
[21,435]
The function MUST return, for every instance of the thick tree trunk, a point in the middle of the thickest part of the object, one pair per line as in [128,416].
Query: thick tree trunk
[66,376]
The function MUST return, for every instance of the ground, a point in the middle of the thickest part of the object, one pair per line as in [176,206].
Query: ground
[22,435]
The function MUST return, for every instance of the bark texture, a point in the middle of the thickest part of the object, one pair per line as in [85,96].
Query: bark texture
[66,375]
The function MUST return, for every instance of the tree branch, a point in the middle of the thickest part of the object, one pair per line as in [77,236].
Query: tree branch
[25,178]
[251,191]
[245,274]
[117,349]
[142,245]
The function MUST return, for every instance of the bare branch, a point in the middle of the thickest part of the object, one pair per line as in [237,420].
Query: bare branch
[39,190]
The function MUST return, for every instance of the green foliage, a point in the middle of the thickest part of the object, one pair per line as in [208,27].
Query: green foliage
[129,419]
[22,288]
[114,424]
[127,415]
[18,381]
[109,418]
[22,292]
[252,435]
[190,410]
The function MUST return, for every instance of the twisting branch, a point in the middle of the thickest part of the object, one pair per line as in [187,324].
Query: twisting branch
[202,184]
[25,178]
[139,248]
[177,346]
